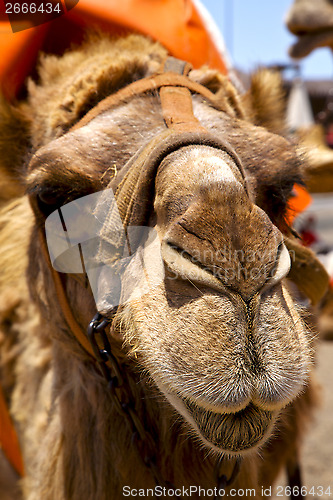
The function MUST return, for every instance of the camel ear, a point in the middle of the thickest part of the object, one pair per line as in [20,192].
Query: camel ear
[265,101]
[14,147]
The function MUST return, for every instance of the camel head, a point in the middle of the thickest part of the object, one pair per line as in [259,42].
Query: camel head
[220,336]
[312,23]
[218,332]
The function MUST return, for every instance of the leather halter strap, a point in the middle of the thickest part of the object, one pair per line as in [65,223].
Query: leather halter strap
[59,284]
[175,110]
[176,101]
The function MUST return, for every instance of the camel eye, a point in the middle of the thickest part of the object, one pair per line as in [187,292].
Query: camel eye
[49,200]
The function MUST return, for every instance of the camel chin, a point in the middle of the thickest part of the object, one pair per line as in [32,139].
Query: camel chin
[234,433]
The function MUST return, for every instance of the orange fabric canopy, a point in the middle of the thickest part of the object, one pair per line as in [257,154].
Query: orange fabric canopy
[177,24]
[8,437]
[298,202]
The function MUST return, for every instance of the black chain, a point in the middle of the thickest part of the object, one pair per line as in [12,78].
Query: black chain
[121,398]
[120,394]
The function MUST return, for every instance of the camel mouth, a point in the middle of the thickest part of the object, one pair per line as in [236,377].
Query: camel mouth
[308,40]
[234,433]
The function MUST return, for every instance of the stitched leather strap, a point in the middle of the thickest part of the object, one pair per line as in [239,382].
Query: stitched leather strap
[176,101]
[177,109]
[173,65]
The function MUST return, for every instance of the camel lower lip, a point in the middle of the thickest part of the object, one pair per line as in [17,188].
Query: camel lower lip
[309,41]
[233,432]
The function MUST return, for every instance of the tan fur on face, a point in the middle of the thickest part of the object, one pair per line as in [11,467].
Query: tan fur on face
[205,359]
[101,68]
[14,143]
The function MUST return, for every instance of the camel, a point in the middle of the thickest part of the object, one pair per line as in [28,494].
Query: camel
[312,23]
[207,376]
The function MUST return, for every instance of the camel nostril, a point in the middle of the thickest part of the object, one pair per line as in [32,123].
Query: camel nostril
[191,258]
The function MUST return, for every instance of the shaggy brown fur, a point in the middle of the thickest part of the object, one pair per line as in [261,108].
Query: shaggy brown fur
[266,93]
[14,130]
[181,336]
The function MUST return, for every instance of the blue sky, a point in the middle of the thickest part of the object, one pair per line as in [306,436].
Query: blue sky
[254,33]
